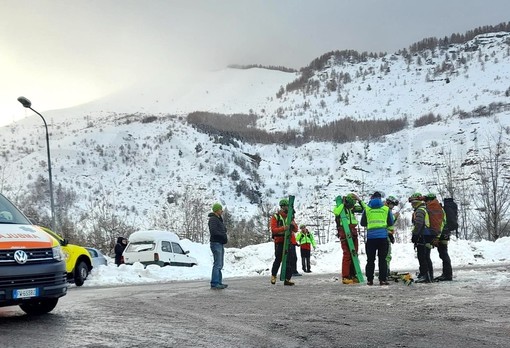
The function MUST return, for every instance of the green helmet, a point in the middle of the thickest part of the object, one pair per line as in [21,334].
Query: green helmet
[416,197]
[392,200]
[284,202]
[430,196]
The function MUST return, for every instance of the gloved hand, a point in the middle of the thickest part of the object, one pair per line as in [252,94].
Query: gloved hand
[415,238]
[435,242]
[392,238]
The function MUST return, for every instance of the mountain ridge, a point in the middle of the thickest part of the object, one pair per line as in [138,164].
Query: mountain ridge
[142,166]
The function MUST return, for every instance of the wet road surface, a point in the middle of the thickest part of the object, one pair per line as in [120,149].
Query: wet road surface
[317,312]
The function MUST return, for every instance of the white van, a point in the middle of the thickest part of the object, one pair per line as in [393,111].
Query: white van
[157,248]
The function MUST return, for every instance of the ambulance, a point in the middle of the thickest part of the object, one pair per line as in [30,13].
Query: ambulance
[32,267]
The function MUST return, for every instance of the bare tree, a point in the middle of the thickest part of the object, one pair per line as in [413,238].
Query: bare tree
[194,214]
[492,201]
[451,183]
[101,225]
[261,220]
[165,218]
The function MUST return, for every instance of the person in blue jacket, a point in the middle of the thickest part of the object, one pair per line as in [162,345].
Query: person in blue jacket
[376,217]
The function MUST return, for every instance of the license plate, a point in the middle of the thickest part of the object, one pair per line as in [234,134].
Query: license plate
[26,293]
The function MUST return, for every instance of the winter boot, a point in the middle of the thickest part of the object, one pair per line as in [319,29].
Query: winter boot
[423,279]
[288,282]
[273,279]
[442,278]
[347,281]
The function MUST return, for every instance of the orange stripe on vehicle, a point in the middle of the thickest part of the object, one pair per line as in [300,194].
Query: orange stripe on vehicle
[25,244]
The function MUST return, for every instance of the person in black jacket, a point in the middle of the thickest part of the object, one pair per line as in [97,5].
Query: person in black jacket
[218,238]
[119,249]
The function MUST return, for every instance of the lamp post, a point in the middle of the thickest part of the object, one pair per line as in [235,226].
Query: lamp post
[28,104]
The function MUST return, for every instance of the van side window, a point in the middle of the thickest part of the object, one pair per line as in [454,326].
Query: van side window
[165,246]
[177,248]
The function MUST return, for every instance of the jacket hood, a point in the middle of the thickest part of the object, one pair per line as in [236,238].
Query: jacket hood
[375,203]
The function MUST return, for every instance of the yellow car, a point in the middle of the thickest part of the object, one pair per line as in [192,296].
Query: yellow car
[78,259]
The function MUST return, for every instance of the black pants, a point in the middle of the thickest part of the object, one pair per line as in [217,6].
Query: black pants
[423,251]
[294,260]
[291,259]
[305,259]
[379,246]
[447,263]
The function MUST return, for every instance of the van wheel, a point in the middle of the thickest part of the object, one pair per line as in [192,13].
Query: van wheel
[39,307]
[80,274]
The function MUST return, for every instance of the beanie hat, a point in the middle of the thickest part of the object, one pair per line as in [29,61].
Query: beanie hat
[302,226]
[350,201]
[216,207]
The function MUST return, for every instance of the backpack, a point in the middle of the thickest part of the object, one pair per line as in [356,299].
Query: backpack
[452,216]
[435,212]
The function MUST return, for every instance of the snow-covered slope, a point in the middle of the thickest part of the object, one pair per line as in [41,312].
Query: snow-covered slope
[104,148]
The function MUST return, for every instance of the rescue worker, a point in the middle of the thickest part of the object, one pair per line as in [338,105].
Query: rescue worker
[422,238]
[306,242]
[441,239]
[376,218]
[391,202]
[347,204]
[278,228]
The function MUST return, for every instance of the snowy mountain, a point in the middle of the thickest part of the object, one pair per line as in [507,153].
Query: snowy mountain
[136,150]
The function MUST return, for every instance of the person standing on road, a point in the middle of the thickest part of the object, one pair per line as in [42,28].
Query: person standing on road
[376,217]
[218,238]
[278,228]
[120,246]
[441,239]
[422,238]
[347,204]
[391,202]
[306,242]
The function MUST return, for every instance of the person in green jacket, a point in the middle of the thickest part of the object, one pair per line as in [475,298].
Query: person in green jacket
[347,204]
[391,202]
[306,242]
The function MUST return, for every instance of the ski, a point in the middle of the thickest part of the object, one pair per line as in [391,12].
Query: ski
[405,277]
[350,243]
[286,243]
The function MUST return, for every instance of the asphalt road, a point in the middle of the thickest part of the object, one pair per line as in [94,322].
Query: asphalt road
[317,312]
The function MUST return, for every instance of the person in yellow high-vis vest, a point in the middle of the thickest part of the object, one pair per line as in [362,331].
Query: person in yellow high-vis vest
[306,242]
[376,218]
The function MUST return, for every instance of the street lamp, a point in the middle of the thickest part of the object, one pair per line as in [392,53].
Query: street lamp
[28,104]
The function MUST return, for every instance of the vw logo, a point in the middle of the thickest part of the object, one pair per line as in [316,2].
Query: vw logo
[20,257]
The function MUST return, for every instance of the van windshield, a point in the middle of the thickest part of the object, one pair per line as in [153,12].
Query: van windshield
[9,214]
[141,246]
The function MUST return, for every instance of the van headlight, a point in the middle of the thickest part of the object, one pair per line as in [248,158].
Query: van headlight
[57,253]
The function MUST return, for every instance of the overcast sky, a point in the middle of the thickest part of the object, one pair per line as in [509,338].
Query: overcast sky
[60,53]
